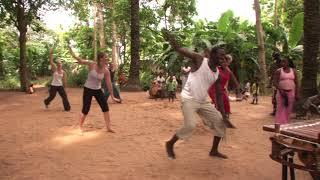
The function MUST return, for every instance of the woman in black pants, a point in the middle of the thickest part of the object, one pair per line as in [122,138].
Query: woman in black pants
[58,83]
[92,87]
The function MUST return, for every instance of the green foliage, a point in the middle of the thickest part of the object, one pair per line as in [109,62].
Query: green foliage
[178,11]
[10,83]
[145,79]
[78,78]
[225,21]
[238,38]
[296,30]
[83,36]
[291,9]
[80,8]
[38,59]
[10,51]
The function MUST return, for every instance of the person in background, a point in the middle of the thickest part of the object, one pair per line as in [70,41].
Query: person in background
[116,90]
[31,89]
[271,72]
[225,75]
[286,82]
[255,91]
[161,83]
[172,87]
[58,83]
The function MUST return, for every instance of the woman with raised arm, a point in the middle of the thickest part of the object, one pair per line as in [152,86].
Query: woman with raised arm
[58,83]
[97,71]
[195,94]
[226,74]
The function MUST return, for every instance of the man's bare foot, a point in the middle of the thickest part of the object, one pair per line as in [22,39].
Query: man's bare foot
[110,130]
[229,124]
[169,149]
[218,154]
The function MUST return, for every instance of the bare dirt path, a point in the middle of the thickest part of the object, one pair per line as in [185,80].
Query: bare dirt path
[38,143]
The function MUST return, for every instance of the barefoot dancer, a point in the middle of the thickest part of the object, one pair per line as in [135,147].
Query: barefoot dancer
[225,75]
[116,91]
[92,87]
[194,97]
[58,83]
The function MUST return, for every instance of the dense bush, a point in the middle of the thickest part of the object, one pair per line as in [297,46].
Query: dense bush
[145,80]
[10,83]
[77,78]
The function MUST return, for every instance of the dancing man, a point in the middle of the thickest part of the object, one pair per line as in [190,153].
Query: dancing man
[195,94]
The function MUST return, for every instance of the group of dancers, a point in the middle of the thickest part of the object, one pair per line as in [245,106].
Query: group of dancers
[204,72]
[208,75]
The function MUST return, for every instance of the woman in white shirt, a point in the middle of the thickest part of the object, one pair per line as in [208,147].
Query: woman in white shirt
[58,83]
[97,71]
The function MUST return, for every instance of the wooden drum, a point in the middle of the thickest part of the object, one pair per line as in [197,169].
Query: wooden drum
[302,139]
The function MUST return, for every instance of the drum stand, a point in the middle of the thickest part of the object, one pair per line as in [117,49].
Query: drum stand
[283,152]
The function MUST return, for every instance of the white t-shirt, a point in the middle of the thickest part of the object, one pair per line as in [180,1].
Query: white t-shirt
[94,80]
[199,82]
[57,79]
[161,79]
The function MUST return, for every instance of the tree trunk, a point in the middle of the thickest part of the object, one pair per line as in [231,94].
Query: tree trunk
[1,65]
[22,27]
[283,8]
[102,40]
[311,47]
[124,49]
[261,48]
[275,15]
[95,32]
[134,83]
[114,38]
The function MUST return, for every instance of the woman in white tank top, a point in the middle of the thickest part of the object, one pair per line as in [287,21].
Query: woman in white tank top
[58,83]
[92,87]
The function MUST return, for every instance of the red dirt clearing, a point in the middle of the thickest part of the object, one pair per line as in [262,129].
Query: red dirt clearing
[39,143]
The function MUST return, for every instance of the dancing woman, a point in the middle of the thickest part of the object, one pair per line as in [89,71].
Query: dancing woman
[58,83]
[97,71]
[225,76]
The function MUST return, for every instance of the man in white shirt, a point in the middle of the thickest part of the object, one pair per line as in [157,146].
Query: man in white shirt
[184,76]
[194,97]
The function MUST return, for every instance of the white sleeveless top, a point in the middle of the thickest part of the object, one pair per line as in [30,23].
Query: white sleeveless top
[199,82]
[57,79]
[94,80]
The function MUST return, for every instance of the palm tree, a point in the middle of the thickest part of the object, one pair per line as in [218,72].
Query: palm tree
[311,43]
[262,52]
[133,82]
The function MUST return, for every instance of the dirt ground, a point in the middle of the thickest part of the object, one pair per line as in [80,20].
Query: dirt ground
[38,143]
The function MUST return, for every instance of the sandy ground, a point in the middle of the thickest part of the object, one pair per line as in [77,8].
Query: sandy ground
[38,143]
